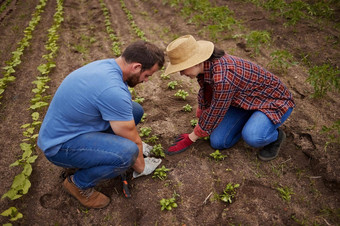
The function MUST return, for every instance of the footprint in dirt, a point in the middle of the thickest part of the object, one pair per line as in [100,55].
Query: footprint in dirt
[51,201]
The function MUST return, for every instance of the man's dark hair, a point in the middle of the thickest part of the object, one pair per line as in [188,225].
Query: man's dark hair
[217,53]
[144,53]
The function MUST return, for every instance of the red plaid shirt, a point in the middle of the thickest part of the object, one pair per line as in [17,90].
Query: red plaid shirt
[230,80]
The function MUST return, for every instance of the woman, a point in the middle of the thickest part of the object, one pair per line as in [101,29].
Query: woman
[237,98]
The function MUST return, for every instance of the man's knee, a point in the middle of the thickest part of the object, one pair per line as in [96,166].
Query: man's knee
[130,154]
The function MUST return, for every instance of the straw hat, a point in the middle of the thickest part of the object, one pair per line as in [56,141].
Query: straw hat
[185,52]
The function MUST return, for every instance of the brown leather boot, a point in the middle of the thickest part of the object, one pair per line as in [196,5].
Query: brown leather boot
[88,197]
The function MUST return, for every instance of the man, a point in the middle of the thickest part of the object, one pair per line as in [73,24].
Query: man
[91,122]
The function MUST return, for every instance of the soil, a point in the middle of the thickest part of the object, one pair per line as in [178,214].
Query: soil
[303,165]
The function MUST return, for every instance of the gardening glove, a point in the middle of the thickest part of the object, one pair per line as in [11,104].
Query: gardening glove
[147,149]
[182,142]
[150,165]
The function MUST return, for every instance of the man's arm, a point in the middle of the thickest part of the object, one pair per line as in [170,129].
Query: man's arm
[128,130]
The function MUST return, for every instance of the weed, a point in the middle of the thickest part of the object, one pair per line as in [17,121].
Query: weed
[255,39]
[324,78]
[187,108]
[281,60]
[163,76]
[182,94]
[285,193]
[229,193]
[160,173]
[217,155]
[333,133]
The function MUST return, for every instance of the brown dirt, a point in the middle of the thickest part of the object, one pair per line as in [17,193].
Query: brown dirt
[303,165]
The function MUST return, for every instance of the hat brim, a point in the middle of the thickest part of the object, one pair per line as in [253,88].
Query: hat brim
[206,48]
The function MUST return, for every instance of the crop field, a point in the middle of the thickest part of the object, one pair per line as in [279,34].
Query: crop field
[42,41]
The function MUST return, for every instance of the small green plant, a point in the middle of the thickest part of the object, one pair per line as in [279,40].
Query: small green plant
[12,213]
[152,139]
[160,173]
[158,151]
[145,131]
[182,94]
[285,193]
[143,117]
[281,60]
[165,77]
[193,122]
[333,133]
[187,108]
[255,39]
[217,155]
[324,78]
[229,193]
[139,100]
[168,204]
[172,84]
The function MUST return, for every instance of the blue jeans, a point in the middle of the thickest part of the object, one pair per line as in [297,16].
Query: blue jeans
[98,155]
[256,129]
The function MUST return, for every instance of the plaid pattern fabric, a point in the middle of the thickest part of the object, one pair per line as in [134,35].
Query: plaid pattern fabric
[233,81]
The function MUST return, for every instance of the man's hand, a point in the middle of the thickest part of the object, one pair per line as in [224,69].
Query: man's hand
[182,143]
[150,165]
[147,149]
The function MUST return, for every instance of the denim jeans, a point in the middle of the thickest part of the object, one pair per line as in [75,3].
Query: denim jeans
[98,155]
[256,129]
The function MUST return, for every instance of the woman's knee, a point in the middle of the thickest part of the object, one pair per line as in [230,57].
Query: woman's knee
[217,142]
[253,139]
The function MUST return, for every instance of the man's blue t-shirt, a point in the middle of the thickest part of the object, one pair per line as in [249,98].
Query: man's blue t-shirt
[86,101]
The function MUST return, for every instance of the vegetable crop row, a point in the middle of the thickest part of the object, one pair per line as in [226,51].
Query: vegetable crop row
[21,183]
[22,44]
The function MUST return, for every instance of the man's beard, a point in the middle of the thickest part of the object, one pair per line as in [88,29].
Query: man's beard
[133,80]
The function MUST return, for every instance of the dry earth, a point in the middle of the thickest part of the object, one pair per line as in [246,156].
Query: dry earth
[303,165]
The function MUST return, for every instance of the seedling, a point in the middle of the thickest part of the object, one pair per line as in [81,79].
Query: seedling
[324,78]
[145,131]
[158,151]
[12,213]
[182,94]
[285,193]
[333,133]
[160,173]
[139,100]
[229,193]
[152,139]
[281,60]
[163,76]
[193,122]
[187,108]
[255,39]
[143,117]
[172,84]
[217,156]
[168,204]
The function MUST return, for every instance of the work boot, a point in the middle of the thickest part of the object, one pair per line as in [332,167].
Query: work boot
[271,151]
[88,197]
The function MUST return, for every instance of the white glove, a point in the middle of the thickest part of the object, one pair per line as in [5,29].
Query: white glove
[150,165]
[147,149]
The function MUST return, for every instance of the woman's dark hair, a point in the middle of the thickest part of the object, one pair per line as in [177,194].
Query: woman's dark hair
[217,53]
[144,53]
